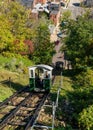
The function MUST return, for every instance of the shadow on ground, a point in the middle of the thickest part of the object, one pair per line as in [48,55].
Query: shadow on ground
[76,4]
[13,85]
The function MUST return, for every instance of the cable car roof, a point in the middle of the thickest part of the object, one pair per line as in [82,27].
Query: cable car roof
[42,66]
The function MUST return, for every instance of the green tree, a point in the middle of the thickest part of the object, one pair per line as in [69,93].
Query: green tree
[43,47]
[66,15]
[86,118]
[79,42]
[65,18]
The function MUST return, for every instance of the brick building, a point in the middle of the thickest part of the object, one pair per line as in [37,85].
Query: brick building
[54,12]
[55,16]
[52,9]
[39,1]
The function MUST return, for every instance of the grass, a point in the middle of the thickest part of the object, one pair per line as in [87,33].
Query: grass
[5,92]
[17,60]
[65,83]
[71,99]
[8,88]
[17,69]
[5,74]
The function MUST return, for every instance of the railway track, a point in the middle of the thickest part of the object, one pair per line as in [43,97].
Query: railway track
[11,98]
[21,110]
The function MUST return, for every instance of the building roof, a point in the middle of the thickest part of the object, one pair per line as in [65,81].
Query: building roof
[45,67]
[34,11]
[27,3]
[54,12]
[54,6]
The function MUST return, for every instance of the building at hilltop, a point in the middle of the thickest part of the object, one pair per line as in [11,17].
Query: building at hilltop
[39,1]
[89,3]
[52,10]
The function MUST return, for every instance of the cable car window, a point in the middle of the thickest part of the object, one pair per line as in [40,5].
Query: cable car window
[31,73]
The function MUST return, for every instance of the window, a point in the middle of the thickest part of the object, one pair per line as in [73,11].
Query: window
[31,73]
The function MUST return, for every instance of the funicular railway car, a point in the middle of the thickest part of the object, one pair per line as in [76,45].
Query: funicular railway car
[40,77]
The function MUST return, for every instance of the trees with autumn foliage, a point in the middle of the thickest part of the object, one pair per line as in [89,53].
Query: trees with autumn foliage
[15,27]
[21,34]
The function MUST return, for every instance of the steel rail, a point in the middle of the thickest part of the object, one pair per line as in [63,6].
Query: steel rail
[33,118]
[15,94]
[12,114]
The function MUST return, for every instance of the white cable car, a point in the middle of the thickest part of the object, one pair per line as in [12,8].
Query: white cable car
[40,77]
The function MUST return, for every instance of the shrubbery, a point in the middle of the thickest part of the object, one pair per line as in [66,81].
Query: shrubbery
[84,79]
[78,104]
[83,103]
[18,64]
[86,118]
[68,127]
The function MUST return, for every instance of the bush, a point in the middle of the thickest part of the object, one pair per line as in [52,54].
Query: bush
[84,79]
[17,63]
[68,127]
[11,65]
[86,118]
